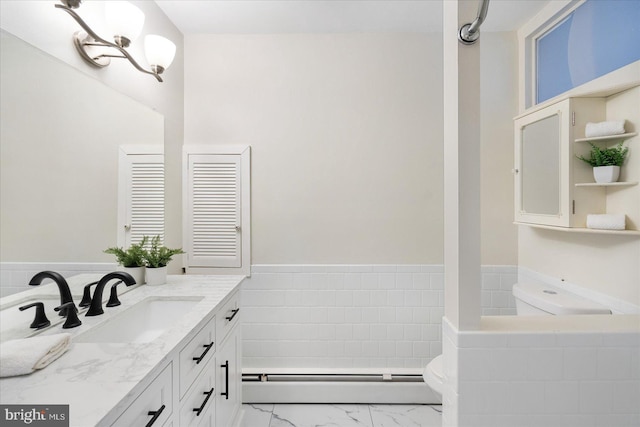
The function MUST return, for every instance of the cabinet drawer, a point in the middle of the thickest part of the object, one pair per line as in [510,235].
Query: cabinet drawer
[155,403]
[196,354]
[228,316]
[199,405]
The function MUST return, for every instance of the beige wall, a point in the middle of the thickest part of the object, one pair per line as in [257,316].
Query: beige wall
[346,132]
[602,263]
[346,135]
[498,106]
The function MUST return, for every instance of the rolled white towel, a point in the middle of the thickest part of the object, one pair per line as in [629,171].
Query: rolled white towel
[612,127]
[20,357]
[606,222]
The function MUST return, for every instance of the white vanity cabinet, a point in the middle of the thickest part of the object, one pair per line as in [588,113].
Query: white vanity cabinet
[171,377]
[154,407]
[228,364]
[203,379]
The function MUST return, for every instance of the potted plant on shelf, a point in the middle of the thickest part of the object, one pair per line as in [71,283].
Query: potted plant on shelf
[156,259]
[606,162]
[132,259]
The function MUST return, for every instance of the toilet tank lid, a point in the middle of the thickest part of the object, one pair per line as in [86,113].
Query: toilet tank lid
[556,301]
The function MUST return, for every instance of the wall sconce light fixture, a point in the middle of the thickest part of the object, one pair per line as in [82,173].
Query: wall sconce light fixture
[125,22]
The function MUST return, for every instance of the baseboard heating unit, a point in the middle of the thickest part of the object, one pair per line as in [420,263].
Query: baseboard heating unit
[339,387]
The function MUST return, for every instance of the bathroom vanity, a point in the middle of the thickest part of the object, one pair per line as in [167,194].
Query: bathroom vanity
[170,355]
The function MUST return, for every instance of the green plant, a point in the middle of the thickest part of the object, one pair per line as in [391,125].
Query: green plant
[613,156]
[134,256]
[159,256]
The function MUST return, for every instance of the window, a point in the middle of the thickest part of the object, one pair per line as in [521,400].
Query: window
[595,39]
[573,42]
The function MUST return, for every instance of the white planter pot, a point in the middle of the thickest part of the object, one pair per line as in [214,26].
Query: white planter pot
[156,276]
[604,174]
[137,273]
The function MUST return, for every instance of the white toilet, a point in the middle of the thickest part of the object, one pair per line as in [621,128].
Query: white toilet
[532,299]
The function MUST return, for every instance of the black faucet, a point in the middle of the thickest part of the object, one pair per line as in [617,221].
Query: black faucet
[63,286]
[71,312]
[86,295]
[95,308]
[113,297]
[40,321]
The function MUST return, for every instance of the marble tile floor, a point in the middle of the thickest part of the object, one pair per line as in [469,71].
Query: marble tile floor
[341,415]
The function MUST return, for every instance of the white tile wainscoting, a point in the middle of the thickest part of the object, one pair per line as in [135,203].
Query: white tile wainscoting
[353,316]
[578,372]
[15,276]
[352,319]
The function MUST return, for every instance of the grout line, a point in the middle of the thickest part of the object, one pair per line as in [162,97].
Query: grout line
[271,416]
[370,415]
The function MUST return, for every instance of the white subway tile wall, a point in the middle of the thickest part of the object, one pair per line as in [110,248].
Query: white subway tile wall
[557,378]
[353,316]
[15,276]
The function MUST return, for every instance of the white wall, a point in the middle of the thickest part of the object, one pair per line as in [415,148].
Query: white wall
[600,263]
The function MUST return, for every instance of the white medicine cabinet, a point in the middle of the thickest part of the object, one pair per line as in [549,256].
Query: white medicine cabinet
[553,188]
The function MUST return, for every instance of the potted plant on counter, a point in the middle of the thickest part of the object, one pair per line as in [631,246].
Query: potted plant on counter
[132,259]
[156,259]
[606,162]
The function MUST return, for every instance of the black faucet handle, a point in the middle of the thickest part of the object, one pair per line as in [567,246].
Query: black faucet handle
[86,294]
[113,296]
[69,309]
[40,321]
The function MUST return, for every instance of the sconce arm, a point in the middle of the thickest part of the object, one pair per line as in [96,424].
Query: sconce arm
[105,43]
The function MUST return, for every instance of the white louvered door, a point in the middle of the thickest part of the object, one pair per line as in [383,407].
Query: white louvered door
[141,194]
[214,211]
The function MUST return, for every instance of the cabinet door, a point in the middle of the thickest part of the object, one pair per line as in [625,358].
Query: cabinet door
[140,193]
[216,189]
[541,173]
[228,380]
[154,406]
[198,407]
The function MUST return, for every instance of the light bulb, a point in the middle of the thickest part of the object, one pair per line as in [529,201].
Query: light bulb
[124,20]
[159,52]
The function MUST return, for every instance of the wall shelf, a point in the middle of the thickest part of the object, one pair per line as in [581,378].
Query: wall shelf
[629,233]
[607,137]
[606,184]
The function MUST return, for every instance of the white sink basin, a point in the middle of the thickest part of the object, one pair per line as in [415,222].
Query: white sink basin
[14,324]
[143,322]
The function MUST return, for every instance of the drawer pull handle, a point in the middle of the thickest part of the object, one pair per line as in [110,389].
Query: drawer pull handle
[199,410]
[230,318]
[207,347]
[156,415]
[226,380]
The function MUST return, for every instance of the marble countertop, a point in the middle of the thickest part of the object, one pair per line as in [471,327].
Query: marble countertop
[99,380]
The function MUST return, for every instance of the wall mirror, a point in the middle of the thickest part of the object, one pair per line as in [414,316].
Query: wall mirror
[540,166]
[60,133]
